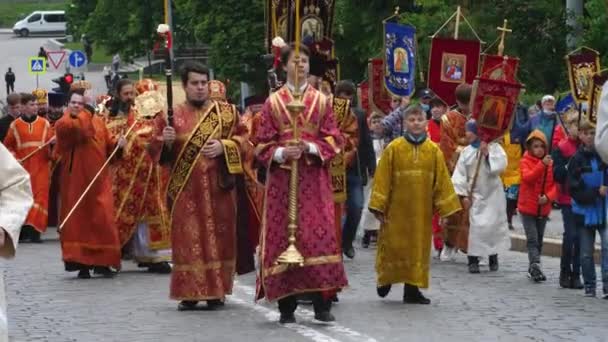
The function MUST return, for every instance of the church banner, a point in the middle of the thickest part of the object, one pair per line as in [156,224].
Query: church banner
[399,58]
[595,94]
[493,106]
[452,62]
[379,98]
[582,65]
[502,68]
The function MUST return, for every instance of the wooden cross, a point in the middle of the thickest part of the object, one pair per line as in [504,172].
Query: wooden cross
[503,32]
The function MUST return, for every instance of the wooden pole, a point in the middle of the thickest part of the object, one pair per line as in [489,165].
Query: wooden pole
[67,217]
[36,150]
[457,28]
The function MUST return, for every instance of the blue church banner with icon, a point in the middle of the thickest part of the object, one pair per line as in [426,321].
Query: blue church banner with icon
[399,58]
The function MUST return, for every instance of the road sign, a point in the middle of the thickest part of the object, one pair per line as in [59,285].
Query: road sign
[37,65]
[56,58]
[77,59]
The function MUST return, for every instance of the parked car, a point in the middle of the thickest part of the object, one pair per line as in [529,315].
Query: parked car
[41,22]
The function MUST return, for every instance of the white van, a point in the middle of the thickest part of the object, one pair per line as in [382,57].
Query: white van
[41,22]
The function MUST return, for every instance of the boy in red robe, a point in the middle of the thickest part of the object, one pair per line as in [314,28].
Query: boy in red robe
[28,138]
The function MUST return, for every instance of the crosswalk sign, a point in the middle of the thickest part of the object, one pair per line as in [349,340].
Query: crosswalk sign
[37,65]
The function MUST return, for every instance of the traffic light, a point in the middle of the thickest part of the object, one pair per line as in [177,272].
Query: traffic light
[64,82]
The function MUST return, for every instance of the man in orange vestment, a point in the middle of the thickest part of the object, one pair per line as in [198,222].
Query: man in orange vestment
[452,142]
[203,148]
[89,238]
[316,239]
[27,137]
[138,185]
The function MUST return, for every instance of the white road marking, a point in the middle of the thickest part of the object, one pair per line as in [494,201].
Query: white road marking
[308,314]
[273,316]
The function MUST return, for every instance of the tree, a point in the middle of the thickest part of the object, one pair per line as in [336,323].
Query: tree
[77,15]
[595,28]
[235,46]
[125,26]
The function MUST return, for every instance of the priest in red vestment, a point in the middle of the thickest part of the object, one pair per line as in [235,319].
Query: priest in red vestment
[89,238]
[29,136]
[321,140]
[203,149]
[138,182]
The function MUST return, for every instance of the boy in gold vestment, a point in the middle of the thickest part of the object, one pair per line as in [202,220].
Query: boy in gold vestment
[411,183]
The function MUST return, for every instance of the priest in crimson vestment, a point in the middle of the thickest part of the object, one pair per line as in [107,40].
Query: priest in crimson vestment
[323,271]
[203,150]
[26,135]
[89,238]
[138,182]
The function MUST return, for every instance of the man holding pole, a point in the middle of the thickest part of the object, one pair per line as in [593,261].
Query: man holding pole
[321,271]
[89,238]
[28,138]
[203,148]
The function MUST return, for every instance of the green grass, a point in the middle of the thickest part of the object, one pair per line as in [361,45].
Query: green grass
[12,11]
[155,77]
[100,56]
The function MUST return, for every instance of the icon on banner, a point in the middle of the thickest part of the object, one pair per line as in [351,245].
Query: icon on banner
[37,65]
[77,59]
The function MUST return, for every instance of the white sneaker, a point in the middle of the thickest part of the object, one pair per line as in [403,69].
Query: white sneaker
[447,254]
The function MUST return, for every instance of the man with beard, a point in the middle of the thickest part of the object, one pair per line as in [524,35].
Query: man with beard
[204,150]
[141,215]
[89,238]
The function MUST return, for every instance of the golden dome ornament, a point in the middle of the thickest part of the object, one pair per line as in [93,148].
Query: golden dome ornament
[149,104]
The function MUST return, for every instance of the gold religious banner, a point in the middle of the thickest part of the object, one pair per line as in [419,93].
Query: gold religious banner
[595,92]
[582,64]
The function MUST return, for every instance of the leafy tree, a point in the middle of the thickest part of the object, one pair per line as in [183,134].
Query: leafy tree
[595,28]
[77,15]
[235,41]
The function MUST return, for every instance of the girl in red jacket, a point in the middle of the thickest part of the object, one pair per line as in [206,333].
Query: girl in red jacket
[534,201]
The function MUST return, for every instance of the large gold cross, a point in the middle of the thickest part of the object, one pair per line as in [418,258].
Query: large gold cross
[503,32]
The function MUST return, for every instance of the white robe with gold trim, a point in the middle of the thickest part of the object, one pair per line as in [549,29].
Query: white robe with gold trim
[16,199]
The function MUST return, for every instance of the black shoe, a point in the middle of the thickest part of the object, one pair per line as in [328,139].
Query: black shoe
[535,273]
[412,295]
[575,282]
[106,272]
[543,277]
[349,252]
[324,317]
[383,290]
[473,264]
[511,227]
[84,274]
[187,305]
[287,318]
[160,268]
[213,304]
[590,292]
[334,299]
[366,239]
[35,236]
[493,262]
[565,280]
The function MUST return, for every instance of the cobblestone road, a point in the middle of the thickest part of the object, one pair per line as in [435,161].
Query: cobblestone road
[47,304]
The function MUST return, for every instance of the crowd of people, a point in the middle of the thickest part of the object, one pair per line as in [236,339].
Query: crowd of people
[205,192]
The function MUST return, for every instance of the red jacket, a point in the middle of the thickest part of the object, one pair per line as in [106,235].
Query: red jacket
[532,173]
[434,128]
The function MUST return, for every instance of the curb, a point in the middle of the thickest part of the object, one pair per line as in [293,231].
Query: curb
[551,247]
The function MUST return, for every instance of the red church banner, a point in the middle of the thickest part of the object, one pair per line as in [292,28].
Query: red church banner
[503,68]
[452,62]
[379,98]
[493,106]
